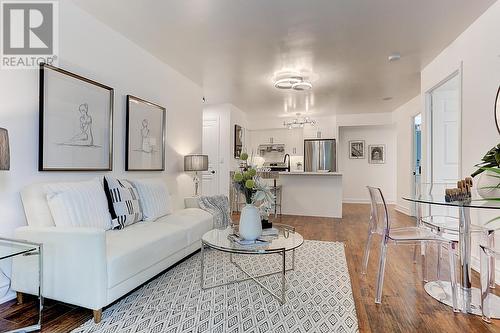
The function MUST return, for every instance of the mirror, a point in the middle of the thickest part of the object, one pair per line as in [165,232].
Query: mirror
[497,110]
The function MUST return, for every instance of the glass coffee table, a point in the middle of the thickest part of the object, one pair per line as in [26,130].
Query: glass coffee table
[287,240]
[10,248]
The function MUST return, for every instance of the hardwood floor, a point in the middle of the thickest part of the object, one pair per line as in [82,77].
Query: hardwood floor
[405,307]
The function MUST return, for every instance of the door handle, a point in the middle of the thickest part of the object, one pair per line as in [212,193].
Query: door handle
[212,172]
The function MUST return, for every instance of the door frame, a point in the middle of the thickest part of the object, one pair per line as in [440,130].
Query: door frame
[413,206]
[215,118]
[427,129]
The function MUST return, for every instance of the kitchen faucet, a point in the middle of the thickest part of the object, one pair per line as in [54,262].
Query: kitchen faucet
[284,161]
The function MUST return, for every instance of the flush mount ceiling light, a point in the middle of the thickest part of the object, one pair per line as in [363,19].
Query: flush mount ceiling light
[302,85]
[299,122]
[291,80]
[287,83]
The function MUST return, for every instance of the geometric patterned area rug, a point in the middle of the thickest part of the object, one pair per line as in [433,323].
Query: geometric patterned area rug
[318,296]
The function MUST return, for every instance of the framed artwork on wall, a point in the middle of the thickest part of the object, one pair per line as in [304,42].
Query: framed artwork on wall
[238,140]
[357,149]
[75,122]
[145,131]
[377,154]
[497,110]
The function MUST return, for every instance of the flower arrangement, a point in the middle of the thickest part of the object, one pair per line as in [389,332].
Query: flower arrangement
[256,191]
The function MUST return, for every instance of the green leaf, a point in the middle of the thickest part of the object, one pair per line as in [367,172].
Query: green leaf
[495,170]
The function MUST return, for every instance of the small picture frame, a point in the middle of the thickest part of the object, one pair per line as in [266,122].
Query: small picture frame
[238,141]
[145,142]
[376,154]
[357,149]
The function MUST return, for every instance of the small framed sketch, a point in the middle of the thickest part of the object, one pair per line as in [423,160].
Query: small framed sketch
[238,141]
[75,122]
[145,142]
[356,149]
[377,154]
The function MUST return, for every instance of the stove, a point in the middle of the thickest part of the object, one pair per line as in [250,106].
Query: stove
[276,166]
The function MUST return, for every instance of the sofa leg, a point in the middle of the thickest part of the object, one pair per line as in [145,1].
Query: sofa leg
[20,297]
[97,316]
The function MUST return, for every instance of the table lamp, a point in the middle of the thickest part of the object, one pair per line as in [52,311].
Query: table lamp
[196,162]
[4,150]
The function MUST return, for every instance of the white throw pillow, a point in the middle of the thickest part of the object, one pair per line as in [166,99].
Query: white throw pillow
[154,198]
[81,204]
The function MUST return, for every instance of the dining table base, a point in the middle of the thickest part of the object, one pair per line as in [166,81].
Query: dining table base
[441,290]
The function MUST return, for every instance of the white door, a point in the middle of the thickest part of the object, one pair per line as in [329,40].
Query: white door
[211,134]
[445,118]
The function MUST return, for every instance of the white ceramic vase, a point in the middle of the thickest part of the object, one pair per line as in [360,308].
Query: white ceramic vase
[250,225]
[486,180]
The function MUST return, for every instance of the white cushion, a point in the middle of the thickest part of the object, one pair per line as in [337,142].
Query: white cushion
[81,204]
[142,245]
[35,205]
[154,198]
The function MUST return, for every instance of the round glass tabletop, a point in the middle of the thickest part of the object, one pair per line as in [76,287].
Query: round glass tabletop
[434,194]
[287,239]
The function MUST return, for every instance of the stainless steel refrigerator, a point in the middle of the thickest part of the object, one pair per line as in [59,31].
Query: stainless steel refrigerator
[320,154]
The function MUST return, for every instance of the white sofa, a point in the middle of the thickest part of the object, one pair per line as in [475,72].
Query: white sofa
[91,267]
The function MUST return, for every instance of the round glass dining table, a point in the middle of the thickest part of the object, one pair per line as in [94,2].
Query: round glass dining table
[469,298]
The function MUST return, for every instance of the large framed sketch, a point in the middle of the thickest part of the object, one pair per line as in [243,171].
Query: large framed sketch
[75,122]
[145,143]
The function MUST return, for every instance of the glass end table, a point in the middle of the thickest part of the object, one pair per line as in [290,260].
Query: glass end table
[287,240]
[12,248]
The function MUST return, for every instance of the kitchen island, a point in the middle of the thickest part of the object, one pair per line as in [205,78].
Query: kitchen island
[312,193]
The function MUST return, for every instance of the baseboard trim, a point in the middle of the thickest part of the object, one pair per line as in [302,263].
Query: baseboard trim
[363,201]
[356,201]
[404,210]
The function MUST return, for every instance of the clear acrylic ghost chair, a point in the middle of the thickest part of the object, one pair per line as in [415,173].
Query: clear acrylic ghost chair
[445,222]
[487,278]
[380,223]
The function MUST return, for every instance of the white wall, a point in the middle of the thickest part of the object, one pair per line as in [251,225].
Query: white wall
[403,118]
[91,49]
[477,53]
[358,173]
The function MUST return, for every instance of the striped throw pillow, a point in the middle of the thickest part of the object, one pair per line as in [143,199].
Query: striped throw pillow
[123,202]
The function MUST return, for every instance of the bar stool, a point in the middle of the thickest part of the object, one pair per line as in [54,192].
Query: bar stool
[277,190]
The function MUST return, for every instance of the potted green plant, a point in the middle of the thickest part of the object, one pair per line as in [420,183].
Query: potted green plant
[488,184]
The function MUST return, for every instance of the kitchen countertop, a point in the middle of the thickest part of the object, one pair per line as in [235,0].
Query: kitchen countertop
[302,173]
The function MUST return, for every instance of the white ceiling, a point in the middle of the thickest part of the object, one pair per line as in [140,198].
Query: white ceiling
[232,48]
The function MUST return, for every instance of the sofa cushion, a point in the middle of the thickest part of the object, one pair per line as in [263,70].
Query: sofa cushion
[81,204]
[195,221]
[154,197]
[142,245]
[123,202]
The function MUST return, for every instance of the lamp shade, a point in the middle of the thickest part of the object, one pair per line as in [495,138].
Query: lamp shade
[4,150]
[196,163]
